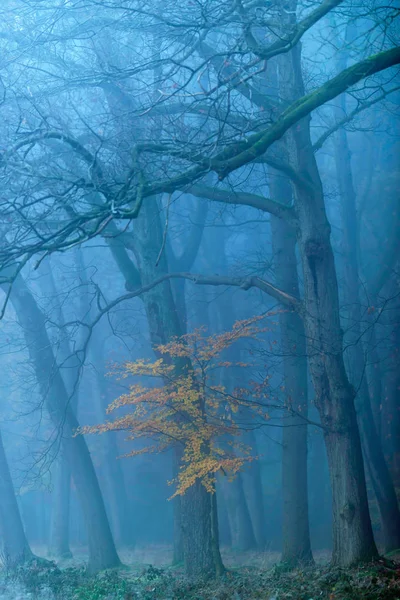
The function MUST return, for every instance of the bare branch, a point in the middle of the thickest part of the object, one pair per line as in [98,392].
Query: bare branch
[244,199]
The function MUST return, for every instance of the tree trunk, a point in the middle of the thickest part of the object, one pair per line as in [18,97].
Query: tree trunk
[162,315]
[295,525]
[353,540]
[374,457]
[102,553]
[15,547]
[374,379]
[352,533]
[200,533]
[320,494]
[60,510]
[240,525]
[178,555]
[252,481]
[391,392]
[164,324]
[120,513]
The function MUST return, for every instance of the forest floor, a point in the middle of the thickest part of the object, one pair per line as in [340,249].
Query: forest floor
[249,576]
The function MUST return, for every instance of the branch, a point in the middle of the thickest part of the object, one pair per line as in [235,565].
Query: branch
[186,260]
[347,118]
[244,199]
[285,44]
[232,158]
[286,169]
[244,283]
[244,152]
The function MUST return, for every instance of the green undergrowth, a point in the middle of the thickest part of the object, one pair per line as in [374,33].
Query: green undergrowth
[378,581]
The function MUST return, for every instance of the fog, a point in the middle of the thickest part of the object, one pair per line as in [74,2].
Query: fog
[199,299]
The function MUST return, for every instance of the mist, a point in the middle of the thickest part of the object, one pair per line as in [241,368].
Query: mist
[199,299]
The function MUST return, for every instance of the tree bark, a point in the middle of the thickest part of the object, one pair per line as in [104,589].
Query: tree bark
[353,540]
[202,558]
[15,547]
[178,554]
[241,527]
[164,324]
[116,493]
[391,388]
[252,480]
[373,452]
[60,509]
[295,525]
[102,553]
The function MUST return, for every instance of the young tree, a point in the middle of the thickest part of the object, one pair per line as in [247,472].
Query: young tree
[189,411]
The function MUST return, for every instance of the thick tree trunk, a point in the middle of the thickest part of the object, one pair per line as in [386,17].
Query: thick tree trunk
[200,533]
[353,540]
[320,494]
[15,548]
[295,525]
[352,533]
[102,553]
[374,457]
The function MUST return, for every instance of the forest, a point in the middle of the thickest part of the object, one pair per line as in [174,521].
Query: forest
[199,300]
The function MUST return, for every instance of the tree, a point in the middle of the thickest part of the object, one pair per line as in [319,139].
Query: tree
[373,452]
[190,411]
[178,159]
[102,553]
[15,547]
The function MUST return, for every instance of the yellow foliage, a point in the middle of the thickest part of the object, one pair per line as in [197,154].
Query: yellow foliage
[187,409]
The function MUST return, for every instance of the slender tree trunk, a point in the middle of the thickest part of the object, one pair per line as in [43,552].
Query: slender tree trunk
[60,510]
[374,457]
[15,547]
[177,513]
[241,527]
[374,379]
[164,324]
[253,488]
[120,512]
[102,553]
[391,391]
